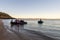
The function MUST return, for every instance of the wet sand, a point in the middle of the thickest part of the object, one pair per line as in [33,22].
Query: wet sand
[41,35]
[5,35]
[24,34]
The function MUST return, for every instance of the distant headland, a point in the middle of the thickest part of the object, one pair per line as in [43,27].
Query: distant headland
[5,16]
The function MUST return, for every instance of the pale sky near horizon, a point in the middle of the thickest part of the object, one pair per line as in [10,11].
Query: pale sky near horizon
[31,8]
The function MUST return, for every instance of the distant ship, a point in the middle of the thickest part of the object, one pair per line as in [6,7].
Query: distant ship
[40,21]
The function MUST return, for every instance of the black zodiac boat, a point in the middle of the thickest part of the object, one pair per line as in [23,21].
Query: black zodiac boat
[21,22]
[40,22]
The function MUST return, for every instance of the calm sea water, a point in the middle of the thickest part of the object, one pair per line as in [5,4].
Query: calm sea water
[50,28]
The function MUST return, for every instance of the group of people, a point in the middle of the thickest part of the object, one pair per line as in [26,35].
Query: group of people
[17,21]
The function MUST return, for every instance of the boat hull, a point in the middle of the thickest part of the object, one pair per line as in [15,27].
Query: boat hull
[40,22]
[20,23]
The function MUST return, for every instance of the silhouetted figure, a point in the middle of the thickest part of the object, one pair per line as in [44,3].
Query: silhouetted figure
[22,22]
[17,21]
[40,22]
[11,22]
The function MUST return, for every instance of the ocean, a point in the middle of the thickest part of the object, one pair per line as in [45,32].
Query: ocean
[49,28]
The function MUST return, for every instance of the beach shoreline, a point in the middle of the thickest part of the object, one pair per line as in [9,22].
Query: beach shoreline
[5,35]
[40,34]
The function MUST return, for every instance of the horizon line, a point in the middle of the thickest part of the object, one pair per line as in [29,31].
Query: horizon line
[34,18]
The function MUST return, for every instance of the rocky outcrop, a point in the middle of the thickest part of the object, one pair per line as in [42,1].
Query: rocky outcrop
[4,16]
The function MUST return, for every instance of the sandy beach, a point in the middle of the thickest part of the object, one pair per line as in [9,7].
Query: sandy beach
[22,35]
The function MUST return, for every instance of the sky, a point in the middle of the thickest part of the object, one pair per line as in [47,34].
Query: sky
[49,9]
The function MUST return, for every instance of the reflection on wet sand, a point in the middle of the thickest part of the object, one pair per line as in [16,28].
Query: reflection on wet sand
[17,27]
